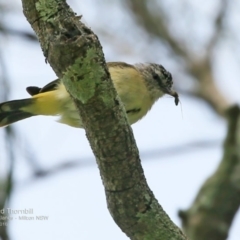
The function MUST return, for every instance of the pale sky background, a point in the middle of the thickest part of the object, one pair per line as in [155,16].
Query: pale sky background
[74,199]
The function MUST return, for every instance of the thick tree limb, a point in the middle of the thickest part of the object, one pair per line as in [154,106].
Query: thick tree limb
[74,53]
[216,204]
[207,88]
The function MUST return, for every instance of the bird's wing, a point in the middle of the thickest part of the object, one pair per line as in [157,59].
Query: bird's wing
[32,90]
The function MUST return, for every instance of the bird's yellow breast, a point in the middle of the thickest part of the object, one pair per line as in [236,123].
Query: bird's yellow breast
[132,91]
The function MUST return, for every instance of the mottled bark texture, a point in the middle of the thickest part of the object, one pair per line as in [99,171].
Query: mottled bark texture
[214,208]
[75,54]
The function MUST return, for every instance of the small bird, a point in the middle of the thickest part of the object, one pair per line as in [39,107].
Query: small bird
[139,86]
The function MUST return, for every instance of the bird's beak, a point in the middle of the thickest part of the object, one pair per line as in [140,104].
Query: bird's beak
[175,95]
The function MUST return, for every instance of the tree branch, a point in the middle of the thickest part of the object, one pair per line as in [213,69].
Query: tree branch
[155,25]
[74,53]
[216,204]
[219,20]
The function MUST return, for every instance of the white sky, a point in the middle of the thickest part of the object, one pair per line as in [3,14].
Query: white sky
[74,200]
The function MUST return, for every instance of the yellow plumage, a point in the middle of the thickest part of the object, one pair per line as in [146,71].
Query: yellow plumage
[134,84]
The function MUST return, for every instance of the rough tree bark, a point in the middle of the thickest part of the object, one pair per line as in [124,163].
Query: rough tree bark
[212,213]
[75,55]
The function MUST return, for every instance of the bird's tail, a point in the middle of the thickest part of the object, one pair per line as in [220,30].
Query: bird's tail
[13,111]
[40,104]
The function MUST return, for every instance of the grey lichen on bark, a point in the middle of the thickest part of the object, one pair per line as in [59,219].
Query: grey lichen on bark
[75,54]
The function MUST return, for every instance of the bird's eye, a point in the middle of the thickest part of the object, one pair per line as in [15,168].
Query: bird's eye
[156,77]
